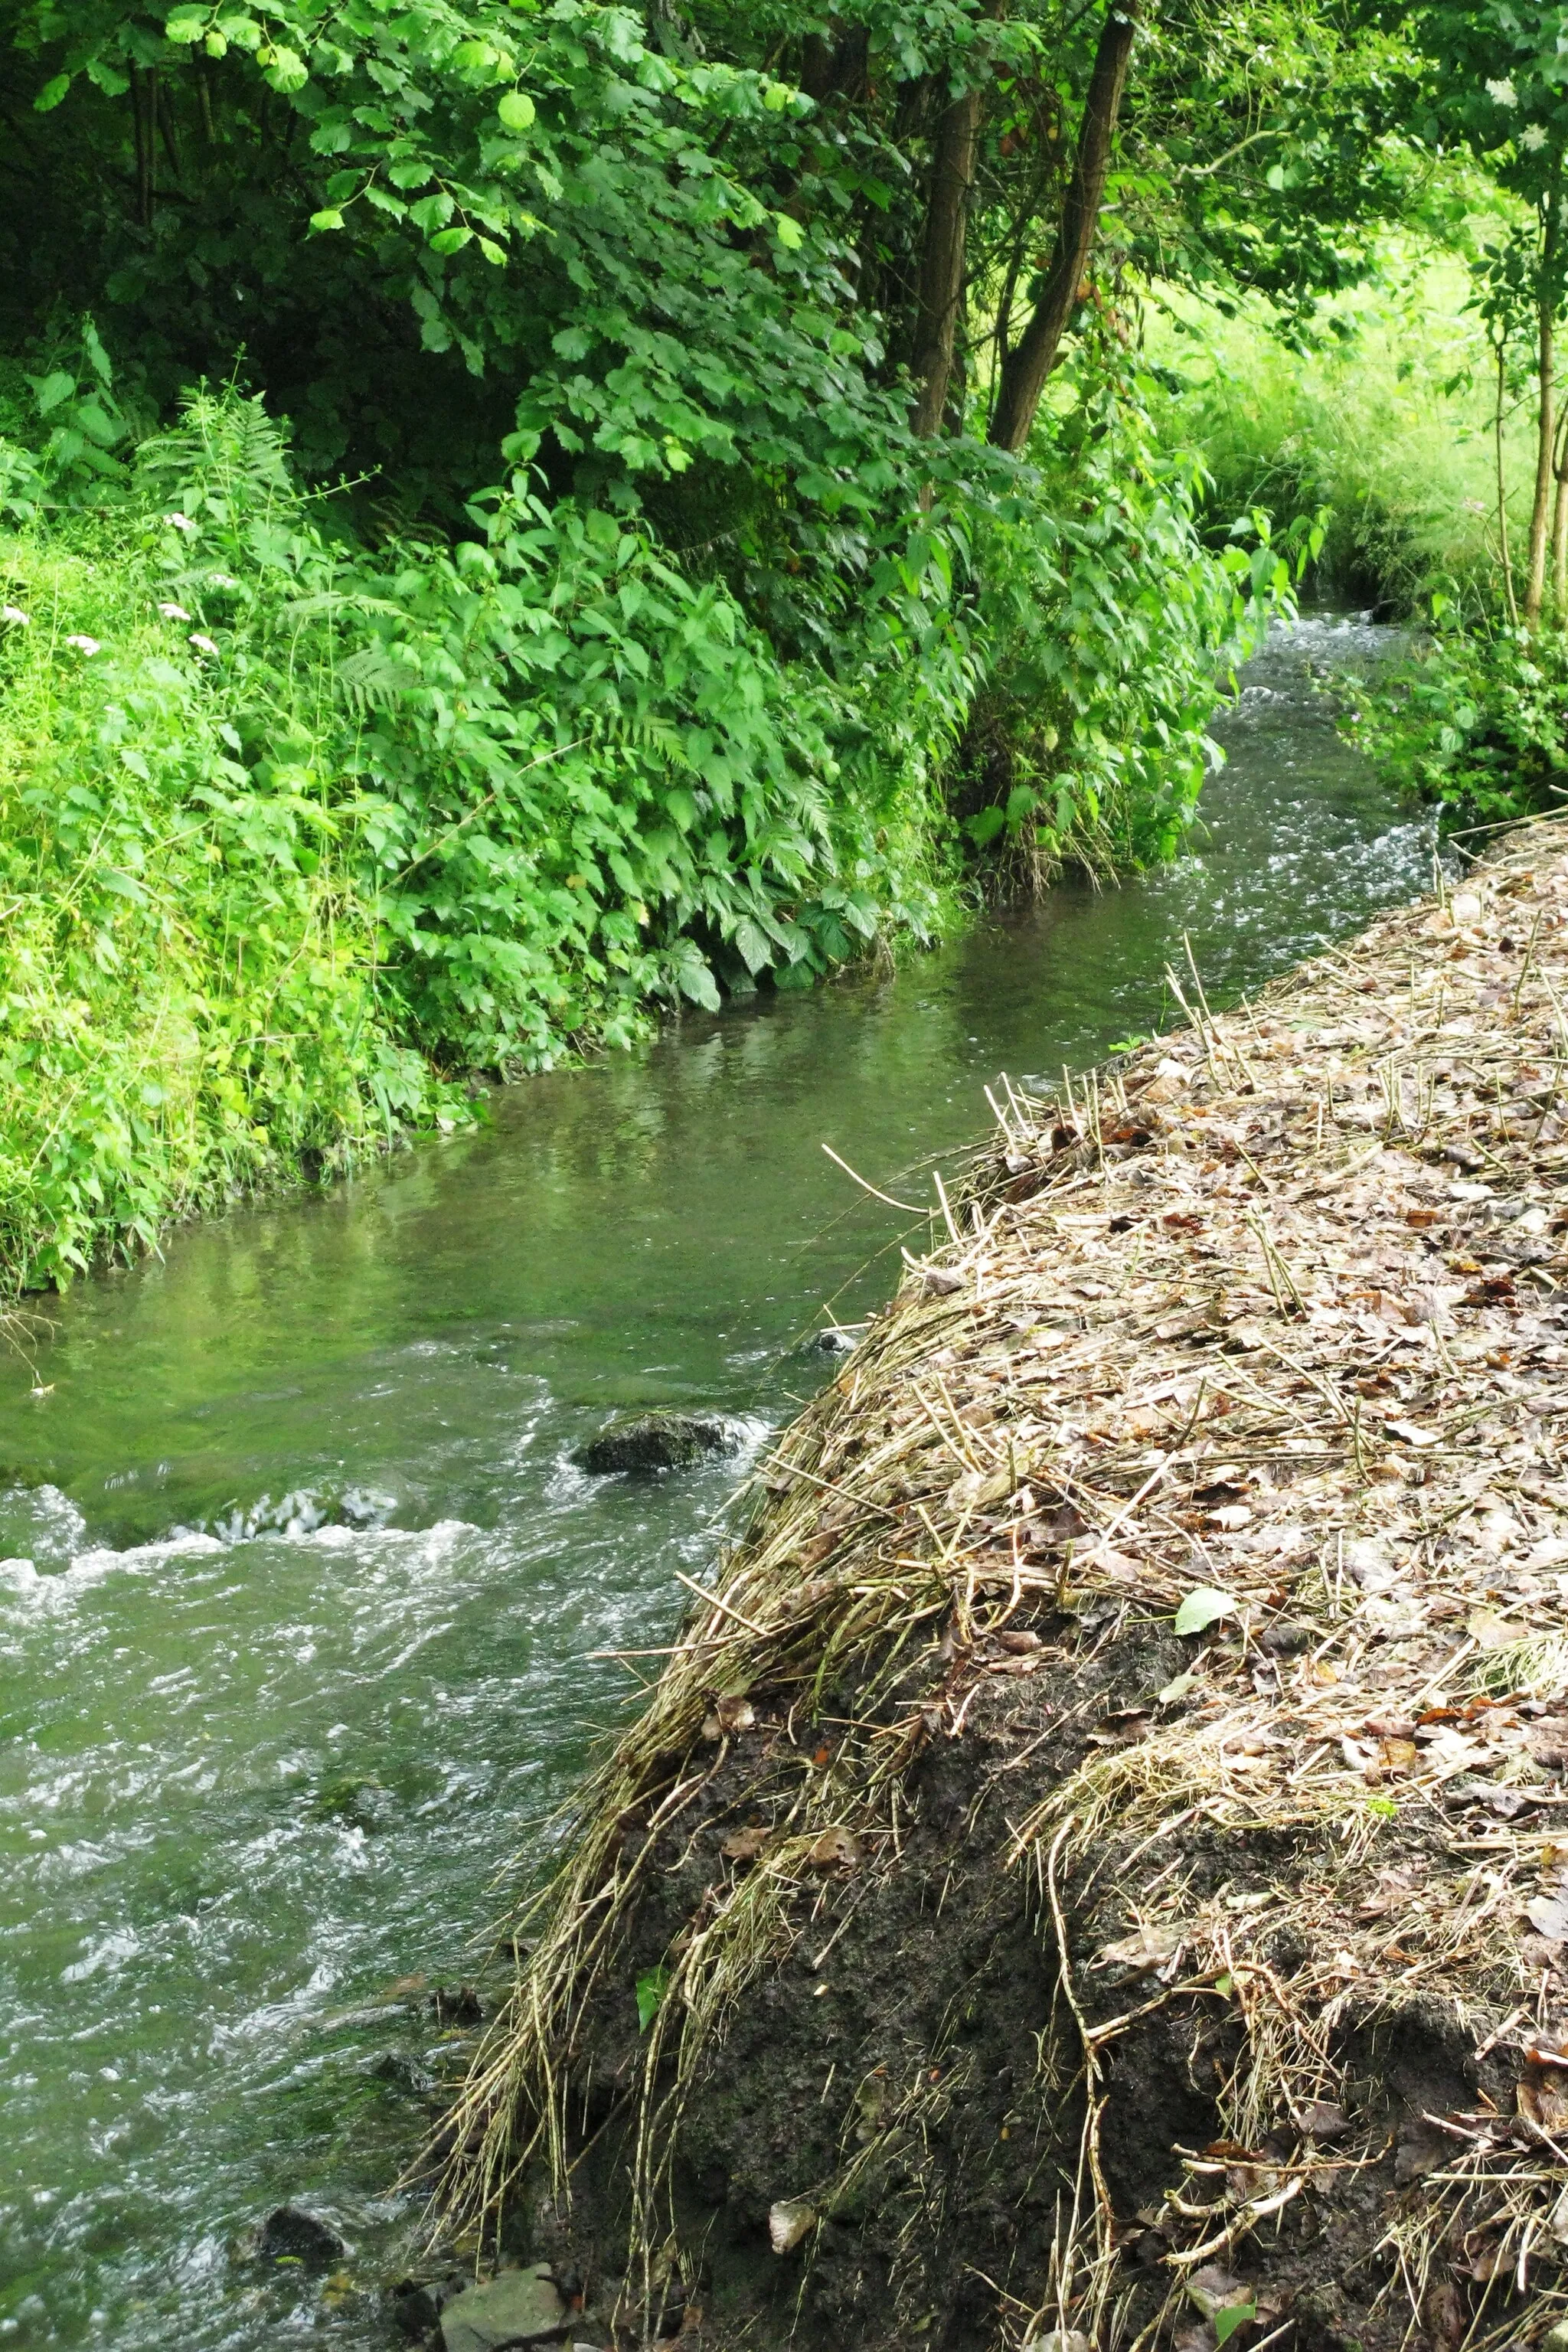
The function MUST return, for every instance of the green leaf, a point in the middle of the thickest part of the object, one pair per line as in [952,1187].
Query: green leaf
[694,979]
[287,72]
[48,391]
[516,111]
[651,1988]
[1234,2316]
[753,944]
[494,254]
[328,217]
[451,240]
[790,234]
[1203,1608]
[186,26]
[52,92]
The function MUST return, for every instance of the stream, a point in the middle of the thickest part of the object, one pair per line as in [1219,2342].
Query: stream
[300,1587]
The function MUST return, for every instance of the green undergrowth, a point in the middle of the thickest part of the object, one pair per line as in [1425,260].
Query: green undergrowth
[298,832]
[1475,720]
[1385,426]
[1385,423]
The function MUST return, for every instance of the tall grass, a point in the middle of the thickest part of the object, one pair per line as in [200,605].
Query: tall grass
[1386,420]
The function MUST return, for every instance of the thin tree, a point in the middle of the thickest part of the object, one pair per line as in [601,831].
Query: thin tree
[1548,293]
[941,290]
[1027,366]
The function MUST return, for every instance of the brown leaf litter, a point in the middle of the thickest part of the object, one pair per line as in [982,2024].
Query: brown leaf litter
[1265,1927]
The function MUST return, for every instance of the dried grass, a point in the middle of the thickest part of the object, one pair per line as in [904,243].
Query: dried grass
[1274,1306]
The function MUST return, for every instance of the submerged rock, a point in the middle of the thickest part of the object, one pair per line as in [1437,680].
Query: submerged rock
[838,1339]
[297,1512]
[415,2305]
[514,2307]
[654,1441]
[355,1799]
[292,2233]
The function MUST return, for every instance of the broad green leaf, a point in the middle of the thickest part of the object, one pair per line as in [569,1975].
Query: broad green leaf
[451,240]
[287,72]
[696,981]
[1234,2316]
[651,1988]
[328,218]
[789,232]
[493,253]
[52,92]
[186,26]
[516,111]
[1202,1607]
[92,418]
[752,945]
[48,391]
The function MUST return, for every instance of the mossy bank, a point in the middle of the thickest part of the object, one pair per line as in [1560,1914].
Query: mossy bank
[1089,1867]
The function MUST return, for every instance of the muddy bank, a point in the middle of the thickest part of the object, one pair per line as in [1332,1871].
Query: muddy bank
[1092,1866]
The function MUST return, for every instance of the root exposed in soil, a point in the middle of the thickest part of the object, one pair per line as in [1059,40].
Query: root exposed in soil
[1092,1862]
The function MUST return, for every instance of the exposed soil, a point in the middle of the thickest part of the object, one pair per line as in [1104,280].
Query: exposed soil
[1091,1867]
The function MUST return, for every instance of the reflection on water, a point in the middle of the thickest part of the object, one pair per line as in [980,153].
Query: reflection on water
[247,1785]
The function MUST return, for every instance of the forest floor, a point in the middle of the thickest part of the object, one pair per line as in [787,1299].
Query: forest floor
[1092,1868]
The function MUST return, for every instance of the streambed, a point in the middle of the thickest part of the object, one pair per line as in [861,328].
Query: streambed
[255,1771]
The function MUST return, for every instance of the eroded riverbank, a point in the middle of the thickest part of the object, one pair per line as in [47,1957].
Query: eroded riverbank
[253,1781]
[1093,1871]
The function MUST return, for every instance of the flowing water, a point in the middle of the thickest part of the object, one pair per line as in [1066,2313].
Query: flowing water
[300,1587]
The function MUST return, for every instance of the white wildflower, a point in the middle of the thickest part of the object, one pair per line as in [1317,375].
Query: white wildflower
[1532,138]
[203,644]
[173,612]
[1502,92]
[179,522]
[221,580]
[14,616]
[86,646]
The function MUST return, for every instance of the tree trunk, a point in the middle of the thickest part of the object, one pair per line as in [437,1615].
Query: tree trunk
[1498,415]
[941,290]
[1559,528]
[1545,421]
[835,69]
[1026,368]
[143,103]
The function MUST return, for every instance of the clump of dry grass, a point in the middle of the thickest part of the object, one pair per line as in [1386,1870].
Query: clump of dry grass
[1271,1312]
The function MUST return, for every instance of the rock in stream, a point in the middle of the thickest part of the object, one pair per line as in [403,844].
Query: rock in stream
[654,1441]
